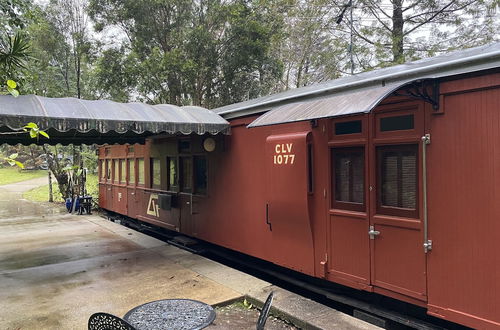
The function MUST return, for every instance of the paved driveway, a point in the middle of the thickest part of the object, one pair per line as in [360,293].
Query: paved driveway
[56,269]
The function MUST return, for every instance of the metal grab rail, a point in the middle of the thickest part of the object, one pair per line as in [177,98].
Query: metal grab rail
[426,139]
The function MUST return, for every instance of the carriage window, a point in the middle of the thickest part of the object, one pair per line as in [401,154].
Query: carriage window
[130,149]
[348,127]
[186,167]
[349,178]
[131,171]
[398,188]
[140,171]
[396,123]
[172,173]
[200,174]
[108,170]
[102,170]
[123,170]
[155,173]
[116,170]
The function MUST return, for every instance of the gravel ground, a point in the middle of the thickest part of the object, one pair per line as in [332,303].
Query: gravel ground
[237,316]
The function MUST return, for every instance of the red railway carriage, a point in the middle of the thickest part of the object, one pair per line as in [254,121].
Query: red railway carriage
[386,182]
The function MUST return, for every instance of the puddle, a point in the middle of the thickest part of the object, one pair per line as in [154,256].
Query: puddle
[54,253]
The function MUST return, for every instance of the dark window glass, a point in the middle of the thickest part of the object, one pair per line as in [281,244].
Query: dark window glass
[184,146]
[172,173]
[186,166]
[396,123]
[398,176]
[348,127]
[349,175]
[155,173]
[200,174]
[310,178]
[108,170]
[130,149]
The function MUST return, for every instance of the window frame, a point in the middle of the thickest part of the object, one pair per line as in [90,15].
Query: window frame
[181,176]
[196,190]
[412,108]
[131,161]
[109,171]
[102,170]
[392,210]
[153,184]
[344,205]
[116,170]
[172,187]
[351,137]
[123,174]
[138,163]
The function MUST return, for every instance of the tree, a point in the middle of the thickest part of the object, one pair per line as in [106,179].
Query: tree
[310,47]
[183,52]
[399,30]
[13,57]
[12,14]
[70,17]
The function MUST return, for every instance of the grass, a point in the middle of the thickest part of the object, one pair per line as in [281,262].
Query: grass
[14,174]
[41,194]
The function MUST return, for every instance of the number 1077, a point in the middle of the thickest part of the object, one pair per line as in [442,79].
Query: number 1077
[284,159]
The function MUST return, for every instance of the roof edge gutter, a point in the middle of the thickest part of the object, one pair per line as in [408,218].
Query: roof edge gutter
[392,77]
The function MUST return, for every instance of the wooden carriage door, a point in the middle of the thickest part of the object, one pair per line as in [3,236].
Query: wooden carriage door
[398,260]
[193,172]
[287,207]
[348,216]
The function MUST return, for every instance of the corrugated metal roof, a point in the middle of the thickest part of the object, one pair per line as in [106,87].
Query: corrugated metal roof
[343,103]
[460,62]
[106,118]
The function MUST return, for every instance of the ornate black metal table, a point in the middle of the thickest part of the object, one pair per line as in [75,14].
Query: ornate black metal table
[178,314]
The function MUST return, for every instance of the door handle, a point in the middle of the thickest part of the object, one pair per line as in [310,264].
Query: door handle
[372,232]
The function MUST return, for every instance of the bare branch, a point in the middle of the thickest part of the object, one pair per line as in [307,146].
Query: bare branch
[429,19]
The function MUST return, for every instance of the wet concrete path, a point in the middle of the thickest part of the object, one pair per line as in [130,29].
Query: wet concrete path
[56,269]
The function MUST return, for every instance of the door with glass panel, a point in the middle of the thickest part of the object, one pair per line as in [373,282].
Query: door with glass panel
[396,235]
[375,227]
[348,258]
[192,189]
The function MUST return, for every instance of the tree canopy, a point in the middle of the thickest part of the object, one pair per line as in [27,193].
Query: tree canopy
[217,52]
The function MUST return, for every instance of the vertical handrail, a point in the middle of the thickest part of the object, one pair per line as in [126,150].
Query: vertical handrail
[426,139]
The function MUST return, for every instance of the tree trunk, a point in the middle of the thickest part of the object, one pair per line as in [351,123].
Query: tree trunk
[51,196]
[78,75]
[397,32]
[59,173]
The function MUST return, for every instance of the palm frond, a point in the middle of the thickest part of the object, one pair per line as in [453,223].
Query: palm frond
[15,52]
